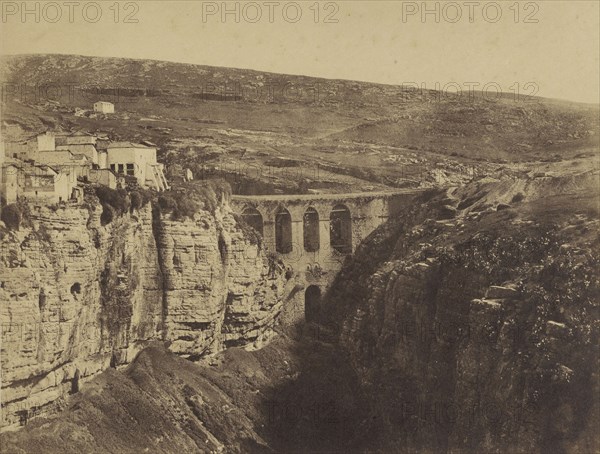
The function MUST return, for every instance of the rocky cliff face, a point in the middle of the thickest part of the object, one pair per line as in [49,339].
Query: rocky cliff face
[79,297]
[477,333]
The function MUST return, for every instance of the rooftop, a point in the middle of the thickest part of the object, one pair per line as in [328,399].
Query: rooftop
[126,145]
[76,140]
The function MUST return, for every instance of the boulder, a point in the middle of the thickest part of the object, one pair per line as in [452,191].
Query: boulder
[501,292]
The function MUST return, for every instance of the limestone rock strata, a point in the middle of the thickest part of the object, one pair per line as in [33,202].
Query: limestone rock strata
[469,347]
[77,297]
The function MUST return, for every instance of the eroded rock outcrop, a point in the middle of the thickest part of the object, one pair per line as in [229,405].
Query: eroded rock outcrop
[79,297]
[476,337]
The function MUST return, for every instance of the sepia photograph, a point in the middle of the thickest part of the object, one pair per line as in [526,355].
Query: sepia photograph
[300,227]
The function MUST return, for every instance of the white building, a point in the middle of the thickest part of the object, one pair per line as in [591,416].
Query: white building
[38,183]
[67,163]
[31,147]
[44,184]
[11,181]
[79,144]
[130,159]
[104,107]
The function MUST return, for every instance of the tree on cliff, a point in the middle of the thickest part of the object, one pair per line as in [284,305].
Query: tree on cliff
[11,216]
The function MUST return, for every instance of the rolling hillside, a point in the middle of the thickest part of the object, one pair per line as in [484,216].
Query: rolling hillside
[360,135]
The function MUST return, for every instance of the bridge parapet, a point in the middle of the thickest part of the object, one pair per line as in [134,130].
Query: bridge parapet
[314,233]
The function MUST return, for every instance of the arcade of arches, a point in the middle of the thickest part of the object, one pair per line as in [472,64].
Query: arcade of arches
[314,234]
[340,229]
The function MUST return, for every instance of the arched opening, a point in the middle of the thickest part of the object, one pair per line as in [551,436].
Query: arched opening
[340,229]
[254,219]
[312,303]
[311,230]
[283,231]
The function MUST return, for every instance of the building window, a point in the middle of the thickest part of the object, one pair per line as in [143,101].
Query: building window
[121,168]
[130,169]
[113,167]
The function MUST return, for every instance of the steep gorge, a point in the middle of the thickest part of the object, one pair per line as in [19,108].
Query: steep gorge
[479,333]
[469,323]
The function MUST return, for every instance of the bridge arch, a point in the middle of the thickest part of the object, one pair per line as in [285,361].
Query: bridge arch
[312,303]
[283,231]
[340,229]
[312,240]
[253,218]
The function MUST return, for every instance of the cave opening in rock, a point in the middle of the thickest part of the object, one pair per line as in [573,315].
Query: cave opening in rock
[283,231]
[311,230]
[254,219]
[312,303]
[223,249]
[340,229]
[75,383]
[76,288]
[42,300]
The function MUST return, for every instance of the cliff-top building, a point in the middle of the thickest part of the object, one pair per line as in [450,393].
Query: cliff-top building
[47,167]
[131,159]
[79,144]
[37,183]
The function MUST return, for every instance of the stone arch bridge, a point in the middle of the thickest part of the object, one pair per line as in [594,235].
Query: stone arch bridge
[314,233]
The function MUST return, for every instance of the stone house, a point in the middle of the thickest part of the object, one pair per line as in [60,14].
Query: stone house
[10,179]
[129,159]
[67,163]
[41,183]
[29,149]
[104,107]
[105,177]
[79,144]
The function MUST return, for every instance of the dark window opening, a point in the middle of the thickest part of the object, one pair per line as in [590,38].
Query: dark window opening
[312,303]
[254,219]
[311,230]
[340,229]
[130,170]
[283,232]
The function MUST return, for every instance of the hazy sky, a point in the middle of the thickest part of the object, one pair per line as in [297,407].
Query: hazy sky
[552,45]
